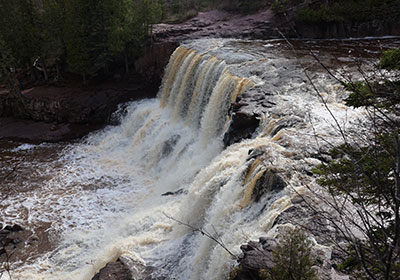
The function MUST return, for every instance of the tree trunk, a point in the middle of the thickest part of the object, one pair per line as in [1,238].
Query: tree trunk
[13,85]
[58,76]
[126,64]
[151,34]
[46,77]
[33,73]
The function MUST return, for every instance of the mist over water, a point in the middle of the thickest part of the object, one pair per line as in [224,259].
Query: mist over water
[102,198]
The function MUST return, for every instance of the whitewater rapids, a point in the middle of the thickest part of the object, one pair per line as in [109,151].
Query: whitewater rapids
[103,196]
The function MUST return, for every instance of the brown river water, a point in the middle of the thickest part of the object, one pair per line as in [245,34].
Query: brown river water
[86,202]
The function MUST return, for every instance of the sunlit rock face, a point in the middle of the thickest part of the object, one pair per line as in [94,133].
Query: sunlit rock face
[102,199]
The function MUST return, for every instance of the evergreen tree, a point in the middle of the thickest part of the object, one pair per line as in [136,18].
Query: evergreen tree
[54,16]
[19,29]
[7,68]
[129,25]
[292,258]
[85,37]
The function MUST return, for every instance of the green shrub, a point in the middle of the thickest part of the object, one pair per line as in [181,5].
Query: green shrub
[390,59]
[352,10]
[292,258]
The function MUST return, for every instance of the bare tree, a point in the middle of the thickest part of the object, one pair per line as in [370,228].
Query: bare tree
[361,201]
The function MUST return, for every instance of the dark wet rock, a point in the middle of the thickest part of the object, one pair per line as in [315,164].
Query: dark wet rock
[52,114]
[242,126]
[152,64]
[255,153]
[79,106]
[114,271]
[288,121]
[246,114]
[6,241]
[14,228]
[11,241]
[124,269]
[178,192]
[255,256]
[267,183]
[169,145]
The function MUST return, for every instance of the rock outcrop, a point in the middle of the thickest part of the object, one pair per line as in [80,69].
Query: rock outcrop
[258,255]
[255,256]
[152,64]
[246,114]
[219,24]
[265,24]
[75,105]
[10,239]
[114,271]
[51,114]
[37,131]
[124,268]
[348,29]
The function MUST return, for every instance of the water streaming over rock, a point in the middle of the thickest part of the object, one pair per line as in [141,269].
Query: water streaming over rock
[103,197]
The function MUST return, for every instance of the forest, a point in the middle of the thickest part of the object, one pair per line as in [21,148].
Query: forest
[82,37]
[91,38]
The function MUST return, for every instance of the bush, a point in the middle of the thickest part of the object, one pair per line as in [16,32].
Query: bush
[353,10]
[390,59]
[292,258]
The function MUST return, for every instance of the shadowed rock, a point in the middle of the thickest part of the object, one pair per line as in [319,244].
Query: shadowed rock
[113,271]
[124,269]
[268,182]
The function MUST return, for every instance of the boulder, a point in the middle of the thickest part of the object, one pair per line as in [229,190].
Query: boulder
[267,183]
[242,126]
[255,256]
[125,268]
[114,271]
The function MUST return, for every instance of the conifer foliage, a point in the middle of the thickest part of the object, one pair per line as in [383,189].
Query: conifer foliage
[292,258]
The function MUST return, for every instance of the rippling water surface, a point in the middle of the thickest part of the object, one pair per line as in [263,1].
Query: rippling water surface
[87,202]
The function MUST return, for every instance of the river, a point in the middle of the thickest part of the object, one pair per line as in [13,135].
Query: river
[87,202]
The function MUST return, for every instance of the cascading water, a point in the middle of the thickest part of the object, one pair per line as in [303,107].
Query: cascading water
[103,198]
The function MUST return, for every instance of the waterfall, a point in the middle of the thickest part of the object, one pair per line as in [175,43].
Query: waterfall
[199,90]
[194,101]
[104,196]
